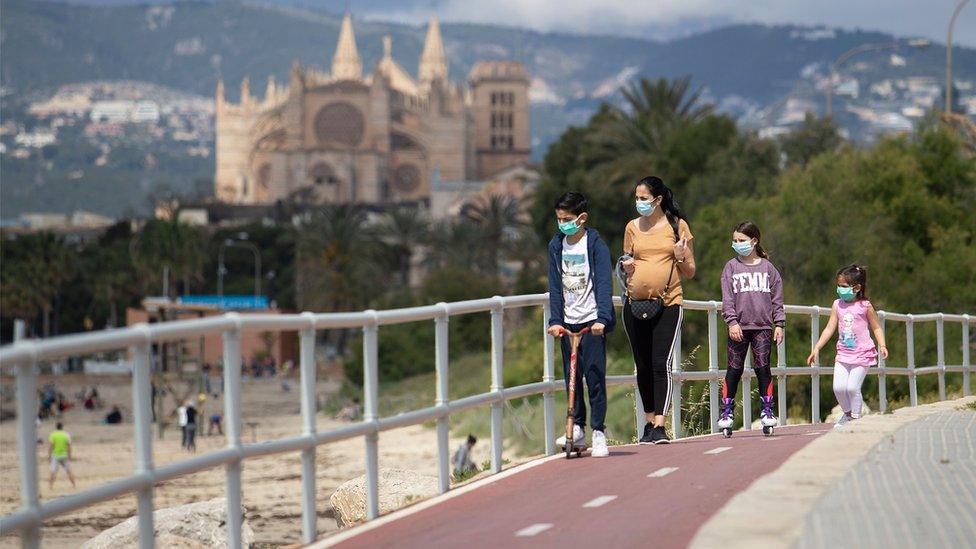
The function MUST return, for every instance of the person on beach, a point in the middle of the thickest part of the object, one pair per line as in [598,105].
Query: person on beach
[461,462]
[59,453]
[855,318]
[581,296]
[658,254]
[752,306]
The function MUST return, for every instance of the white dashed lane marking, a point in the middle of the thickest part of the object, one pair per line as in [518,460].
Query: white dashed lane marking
[718,450]
[530,531]
[663,471]
[814,433]
[597,502]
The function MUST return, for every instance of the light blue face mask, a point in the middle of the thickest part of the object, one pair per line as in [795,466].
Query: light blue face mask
[568,228]
[644,207]
[845,292]
[742,248]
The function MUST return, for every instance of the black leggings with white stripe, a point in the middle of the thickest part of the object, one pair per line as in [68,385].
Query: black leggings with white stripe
[652,341]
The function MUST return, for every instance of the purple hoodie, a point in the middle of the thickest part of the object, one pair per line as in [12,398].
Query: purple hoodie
[752,295]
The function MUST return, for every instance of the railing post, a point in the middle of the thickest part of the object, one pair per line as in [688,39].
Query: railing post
[815,377]
[30,538]
[781,380]
[497,364]
[676,387]
[940,346]
[309,406]
[713,365]
[142,425]
[441,363]
[910,344]
[232,419]
[882,365]
[370,414]
[548,404]
[965,355]
[746,395]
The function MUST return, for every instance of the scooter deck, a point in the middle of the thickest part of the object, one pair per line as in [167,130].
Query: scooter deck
[578,450]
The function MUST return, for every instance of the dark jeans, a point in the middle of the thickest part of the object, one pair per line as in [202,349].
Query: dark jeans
[652,341]
[761,342]
[591,365]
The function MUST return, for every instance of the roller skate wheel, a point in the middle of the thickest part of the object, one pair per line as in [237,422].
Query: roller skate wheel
[727,431]
[768,431]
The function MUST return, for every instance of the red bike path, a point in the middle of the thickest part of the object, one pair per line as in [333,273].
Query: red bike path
[639,496]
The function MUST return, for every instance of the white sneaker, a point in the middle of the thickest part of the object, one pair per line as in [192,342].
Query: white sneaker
[599,449]
[844,419]
[578,437]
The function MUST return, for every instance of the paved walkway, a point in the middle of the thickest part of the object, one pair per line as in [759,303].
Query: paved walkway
[640,496]
[916,488]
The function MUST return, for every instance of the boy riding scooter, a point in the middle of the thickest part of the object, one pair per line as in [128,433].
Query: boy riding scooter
[580,296]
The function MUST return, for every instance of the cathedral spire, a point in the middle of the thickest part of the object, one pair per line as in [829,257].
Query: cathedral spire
[346,64]
[433,62]
[272,88]
[220,92]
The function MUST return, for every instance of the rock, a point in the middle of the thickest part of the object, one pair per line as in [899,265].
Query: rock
[192,526]
[397,488]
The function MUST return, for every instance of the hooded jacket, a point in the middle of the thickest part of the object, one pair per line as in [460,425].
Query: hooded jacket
[601,275]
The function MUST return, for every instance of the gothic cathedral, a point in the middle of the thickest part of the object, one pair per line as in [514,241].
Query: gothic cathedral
[375,139]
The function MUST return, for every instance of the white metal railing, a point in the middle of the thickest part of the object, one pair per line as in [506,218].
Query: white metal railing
[26,355]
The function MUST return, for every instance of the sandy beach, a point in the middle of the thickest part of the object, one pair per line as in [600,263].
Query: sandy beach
[271,485]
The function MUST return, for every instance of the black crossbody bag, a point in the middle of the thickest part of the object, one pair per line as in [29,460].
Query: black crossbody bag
[645,309]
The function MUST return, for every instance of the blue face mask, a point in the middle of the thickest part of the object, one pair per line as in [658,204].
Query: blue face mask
[568,228]
[644,207]
[846,293]
[742,248]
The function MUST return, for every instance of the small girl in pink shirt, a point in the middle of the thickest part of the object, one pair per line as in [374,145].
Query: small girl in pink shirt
[855,318]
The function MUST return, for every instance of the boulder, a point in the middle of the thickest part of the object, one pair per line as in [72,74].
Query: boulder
[397,487]
[192,526]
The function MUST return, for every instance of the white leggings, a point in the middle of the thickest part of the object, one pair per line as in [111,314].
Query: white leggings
[847,387]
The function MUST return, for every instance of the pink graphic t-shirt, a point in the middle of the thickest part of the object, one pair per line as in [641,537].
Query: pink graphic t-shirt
[854,344]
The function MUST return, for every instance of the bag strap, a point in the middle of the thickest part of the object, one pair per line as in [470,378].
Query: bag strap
[674,227]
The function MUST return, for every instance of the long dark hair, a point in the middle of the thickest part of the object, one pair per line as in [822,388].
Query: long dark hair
[669,205]
[856,274]
[751,230]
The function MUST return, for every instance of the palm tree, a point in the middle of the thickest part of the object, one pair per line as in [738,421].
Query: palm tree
[630,138]
[455,243]
[405,228]
[34,274]
[172,245]
[499,219]
[337,262]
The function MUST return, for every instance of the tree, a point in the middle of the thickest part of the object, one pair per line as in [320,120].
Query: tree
[338,265]
[498,219]
[405,228]
[814,137]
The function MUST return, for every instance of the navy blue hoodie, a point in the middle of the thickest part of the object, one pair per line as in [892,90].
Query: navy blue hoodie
[598,256]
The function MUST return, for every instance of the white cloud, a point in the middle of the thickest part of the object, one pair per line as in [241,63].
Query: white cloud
[927,18]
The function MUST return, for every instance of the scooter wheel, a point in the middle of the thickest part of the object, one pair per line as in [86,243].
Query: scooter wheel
[579,452]
[569,450]
[727,432]
[768,431]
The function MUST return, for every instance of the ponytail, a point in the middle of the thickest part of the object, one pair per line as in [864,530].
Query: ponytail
[751,230]
[669,205]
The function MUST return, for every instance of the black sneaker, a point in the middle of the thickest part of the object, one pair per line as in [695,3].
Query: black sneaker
[659,436]
[648,437]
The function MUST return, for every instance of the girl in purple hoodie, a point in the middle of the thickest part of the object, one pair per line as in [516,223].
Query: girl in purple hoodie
[752,306]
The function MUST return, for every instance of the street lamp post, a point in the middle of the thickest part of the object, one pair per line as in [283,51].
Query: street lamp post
[221,270]
[948,82]
[834,70]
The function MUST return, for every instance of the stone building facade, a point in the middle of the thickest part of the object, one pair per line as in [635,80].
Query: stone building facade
[346,137]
